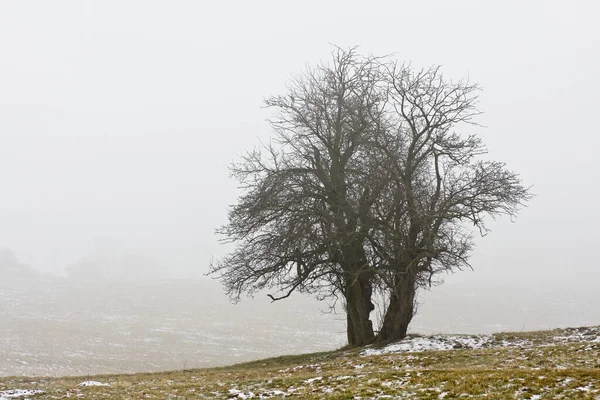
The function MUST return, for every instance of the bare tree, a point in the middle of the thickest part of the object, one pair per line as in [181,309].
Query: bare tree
[365,186]
[438,185]
[298,225]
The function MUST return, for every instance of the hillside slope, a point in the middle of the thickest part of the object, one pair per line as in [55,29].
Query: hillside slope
[557,364]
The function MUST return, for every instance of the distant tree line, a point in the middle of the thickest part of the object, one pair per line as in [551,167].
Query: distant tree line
[110,261]
[11,267]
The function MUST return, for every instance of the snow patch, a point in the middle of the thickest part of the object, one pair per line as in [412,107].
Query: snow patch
[311,380]
[567,380]
[343,377]
[582,334]
[16,393]
[241,395]
[93,383]
[453,342]
[262,393]
[584,388]
[436,342]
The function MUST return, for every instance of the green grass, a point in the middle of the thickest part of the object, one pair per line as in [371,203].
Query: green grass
[541,369]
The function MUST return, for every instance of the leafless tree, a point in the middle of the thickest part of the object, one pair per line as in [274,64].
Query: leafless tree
[438,185]
[364,186]
[298,225]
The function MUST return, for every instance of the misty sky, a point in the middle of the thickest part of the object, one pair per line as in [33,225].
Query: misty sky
[118,118]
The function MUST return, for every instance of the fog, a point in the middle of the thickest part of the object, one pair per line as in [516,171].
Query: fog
[118,120]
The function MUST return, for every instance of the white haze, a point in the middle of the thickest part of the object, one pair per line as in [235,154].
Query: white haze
[118,120]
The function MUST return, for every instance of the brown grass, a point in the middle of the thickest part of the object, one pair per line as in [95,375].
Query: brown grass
[541,370]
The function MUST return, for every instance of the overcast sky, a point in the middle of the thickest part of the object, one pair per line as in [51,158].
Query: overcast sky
[118,118]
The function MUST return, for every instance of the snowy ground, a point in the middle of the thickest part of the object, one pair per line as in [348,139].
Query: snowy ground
[453,342]
[558,364]
[59,329]
[515,349]
[18,393]
[73,328]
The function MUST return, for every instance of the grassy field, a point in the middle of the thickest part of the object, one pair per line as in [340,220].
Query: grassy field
[558,364]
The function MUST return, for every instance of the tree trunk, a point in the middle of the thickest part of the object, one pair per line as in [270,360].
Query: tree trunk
[358,308]
[400,311]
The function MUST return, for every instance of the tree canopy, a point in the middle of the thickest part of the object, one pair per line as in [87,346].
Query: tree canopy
[365,186]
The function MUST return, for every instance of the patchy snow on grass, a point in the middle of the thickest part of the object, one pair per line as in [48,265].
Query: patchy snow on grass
[435,342]
[583,334]
[261,393]
[240,394]
[17,393]
[315,379]
[453,342]
[93,383]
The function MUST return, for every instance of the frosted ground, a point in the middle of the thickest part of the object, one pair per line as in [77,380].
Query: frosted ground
[63,328]
[557,364]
